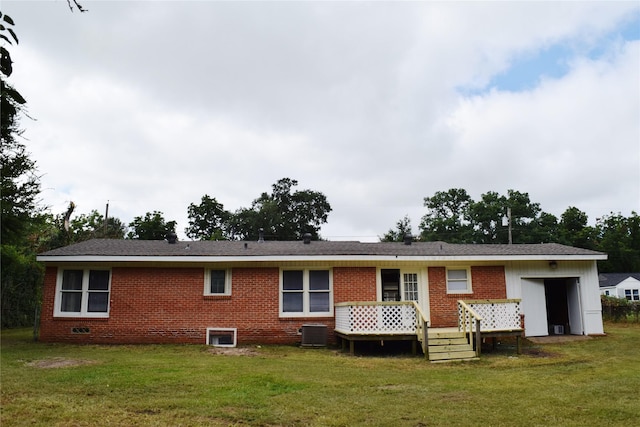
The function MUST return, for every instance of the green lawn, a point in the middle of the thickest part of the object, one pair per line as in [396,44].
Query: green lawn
[594,382]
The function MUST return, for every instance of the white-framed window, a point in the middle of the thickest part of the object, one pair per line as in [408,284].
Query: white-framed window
[632,294]
[222,337]
[306,292]
[458,280]
[82,292]
[217,281]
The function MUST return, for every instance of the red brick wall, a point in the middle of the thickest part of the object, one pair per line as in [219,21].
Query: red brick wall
[354,284]
[486,283]
[161,305]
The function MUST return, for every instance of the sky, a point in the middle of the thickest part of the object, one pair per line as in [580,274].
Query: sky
[150,105]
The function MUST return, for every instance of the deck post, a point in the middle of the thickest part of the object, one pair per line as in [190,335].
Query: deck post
[425,339]
[478,338]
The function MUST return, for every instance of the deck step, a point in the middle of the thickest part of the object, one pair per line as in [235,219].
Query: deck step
[449,346]
[451,334]
[447,341]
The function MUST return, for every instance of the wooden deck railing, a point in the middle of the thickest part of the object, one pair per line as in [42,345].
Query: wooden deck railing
[383,318]
[469,324]
[497,314]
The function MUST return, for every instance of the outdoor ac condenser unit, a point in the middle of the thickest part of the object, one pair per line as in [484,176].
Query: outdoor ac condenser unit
[314,335]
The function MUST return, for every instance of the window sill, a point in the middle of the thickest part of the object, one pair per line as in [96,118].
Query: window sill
[290,316]
[216,297]
[81,317]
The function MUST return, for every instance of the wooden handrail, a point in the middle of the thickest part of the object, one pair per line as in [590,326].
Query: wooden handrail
[475,316]
[422,329]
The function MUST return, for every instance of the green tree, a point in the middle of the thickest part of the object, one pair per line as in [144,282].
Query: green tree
[20,274]
[21,277]
[488,213]
[574,231]
[282,215]
[447,218]
[151,227]
[619,238]
[403,228]
[208,220]
[20,181]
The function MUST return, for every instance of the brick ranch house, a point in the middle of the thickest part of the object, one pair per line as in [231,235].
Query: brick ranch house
[232,292]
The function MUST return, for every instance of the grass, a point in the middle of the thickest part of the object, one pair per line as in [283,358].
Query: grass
[593,382]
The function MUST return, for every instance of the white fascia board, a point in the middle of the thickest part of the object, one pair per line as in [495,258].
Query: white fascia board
[328,258]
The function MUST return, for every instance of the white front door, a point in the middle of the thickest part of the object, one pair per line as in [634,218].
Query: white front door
[534,308]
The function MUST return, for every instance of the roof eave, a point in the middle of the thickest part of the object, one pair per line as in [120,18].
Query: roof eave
[327,258]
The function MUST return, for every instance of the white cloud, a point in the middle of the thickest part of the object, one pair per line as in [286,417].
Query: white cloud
[152,105]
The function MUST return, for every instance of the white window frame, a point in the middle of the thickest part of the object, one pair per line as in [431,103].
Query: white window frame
[468,290]
[305,293]
[633,294]
[233,330]
[227,282]
[57,309]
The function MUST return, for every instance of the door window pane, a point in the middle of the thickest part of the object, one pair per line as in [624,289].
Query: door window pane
[410,286]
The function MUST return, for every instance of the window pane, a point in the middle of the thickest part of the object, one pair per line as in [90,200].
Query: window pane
[457,286]
[292,280]
[99,280]
[71,302]
[217,281]
[98,302]
[72,280]
[292,302]
[319,280]
[319,302]
[457,274]
[410,287]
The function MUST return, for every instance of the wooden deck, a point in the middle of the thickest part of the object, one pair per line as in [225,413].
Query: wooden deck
[405,321]
[349,339]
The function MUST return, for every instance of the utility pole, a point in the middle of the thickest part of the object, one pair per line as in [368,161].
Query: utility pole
[106,219]
[509,220]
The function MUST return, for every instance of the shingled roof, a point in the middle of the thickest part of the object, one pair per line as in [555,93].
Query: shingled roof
[613,279]
[109,248]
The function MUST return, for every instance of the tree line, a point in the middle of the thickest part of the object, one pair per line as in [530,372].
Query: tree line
[454,217]
[283,214]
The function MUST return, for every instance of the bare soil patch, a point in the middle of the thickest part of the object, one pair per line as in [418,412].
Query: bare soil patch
[554,339]
[59,362]
[234,351]
[537,352]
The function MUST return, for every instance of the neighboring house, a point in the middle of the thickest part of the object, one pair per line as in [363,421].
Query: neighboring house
[620,285]
[232,292]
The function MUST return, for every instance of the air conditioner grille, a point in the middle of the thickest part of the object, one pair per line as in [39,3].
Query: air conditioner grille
[314,335]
